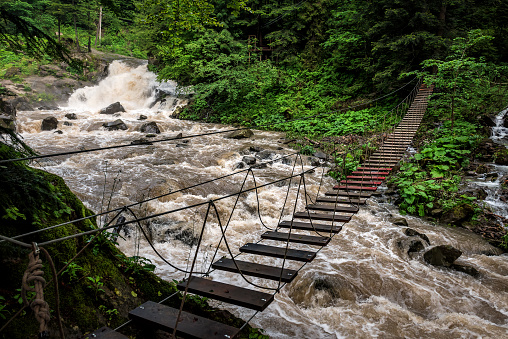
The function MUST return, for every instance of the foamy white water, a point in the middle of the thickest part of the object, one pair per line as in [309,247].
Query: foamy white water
[362,285]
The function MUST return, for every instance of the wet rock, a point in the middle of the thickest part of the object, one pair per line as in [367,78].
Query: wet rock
[48,108]
[412,233]
[150,128]
[482,169]
[141,141]
[240,165]
[442,255]
[255,149]
[491,176]
[66,123]
[58,132]
[415,246]
[466,269]
[242,134]
[249,160]
[485,150]
[280,148]
[287,161]
[178,136]
[49,124]
[487,120]
[399,221]
[436,212]
[151,135]
[118,124]
[142,117]
[261,165]
[71,116]
[265,155]
[182,145]
[186,141]
[113,108]
[7,115]
[315,162]
[474,191]
[320,155]
[457,215]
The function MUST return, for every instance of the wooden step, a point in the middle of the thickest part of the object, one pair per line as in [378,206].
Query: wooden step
[255,270]
[297,238]
[380,169]
[349,194]
[341,200]
[278,252]
[106,333]
[370,173]
[357,188]
[306,226]
[348,209]
[362,183]
[322,216]
[231,294]
[366,177]
[153,315]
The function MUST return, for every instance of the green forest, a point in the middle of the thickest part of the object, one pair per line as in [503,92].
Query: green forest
[314,69]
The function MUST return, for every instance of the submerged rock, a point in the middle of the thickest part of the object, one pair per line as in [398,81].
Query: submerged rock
[412,233]
[113,108]
[242,134]
[142,117]
[466,269]
[399,221]
[442,255]
[115,125]
[150,128]
[49,124]
[249,160]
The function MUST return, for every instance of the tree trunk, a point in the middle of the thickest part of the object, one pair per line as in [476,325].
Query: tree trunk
[75,28]
[442,19]
[59,33]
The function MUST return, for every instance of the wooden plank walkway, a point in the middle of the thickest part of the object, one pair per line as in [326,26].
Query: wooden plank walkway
[335,208]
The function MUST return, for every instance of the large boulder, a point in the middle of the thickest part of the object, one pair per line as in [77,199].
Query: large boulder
[49,123]
[241,134]
[7,115]
[150,127]
[118,124]
[457,215]
[442,255]
[113,108]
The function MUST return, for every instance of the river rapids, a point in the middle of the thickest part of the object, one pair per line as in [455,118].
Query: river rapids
[362,285]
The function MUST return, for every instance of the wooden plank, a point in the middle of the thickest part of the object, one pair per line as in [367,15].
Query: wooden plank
[296,238]
[357,188]
[349,194]
[383,169]
[155,315]
[278,252]
[370,173]
[322,216]
[356,182]
[317,207]
[366,177]
[231,294]
[341,200]
[106,333]
[256,270]
[298,225]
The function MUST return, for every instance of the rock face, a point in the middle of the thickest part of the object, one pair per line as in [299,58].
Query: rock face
[457,215]
[443,255]
[7,115]
[112,109]
[49,124]
[243,134]
[115,125]
[150,127]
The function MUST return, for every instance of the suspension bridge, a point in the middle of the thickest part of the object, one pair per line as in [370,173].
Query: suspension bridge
[314,227]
